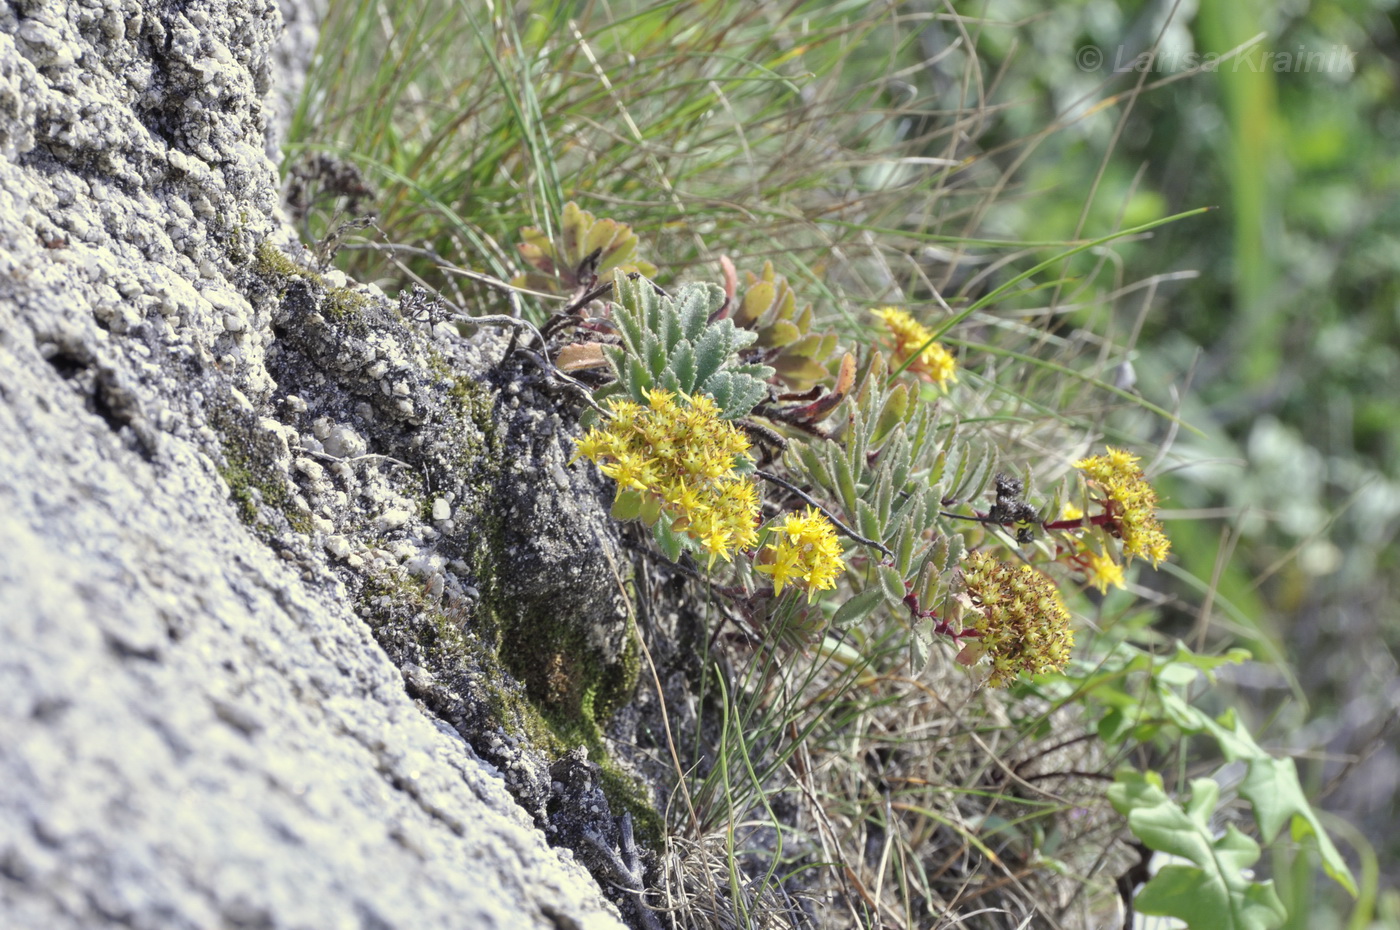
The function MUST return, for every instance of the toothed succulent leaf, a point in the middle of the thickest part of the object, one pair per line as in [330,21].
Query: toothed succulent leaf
[669,341]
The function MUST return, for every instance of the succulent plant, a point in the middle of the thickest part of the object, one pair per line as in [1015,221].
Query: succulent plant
[669,342]
[588,251]
[768,307]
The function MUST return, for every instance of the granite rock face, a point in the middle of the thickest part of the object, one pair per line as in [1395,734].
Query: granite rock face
[233,487]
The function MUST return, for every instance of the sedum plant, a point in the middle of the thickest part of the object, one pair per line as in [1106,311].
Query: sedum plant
[768,307]
[915,347]
[1016,617]
[670,442]
[805,552]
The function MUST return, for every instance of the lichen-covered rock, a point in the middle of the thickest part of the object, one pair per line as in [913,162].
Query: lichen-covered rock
[230,483]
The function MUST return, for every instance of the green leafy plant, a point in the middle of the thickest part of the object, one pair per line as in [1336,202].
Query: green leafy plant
[1145,698]
[1213,890]
[676,457]
[890,479]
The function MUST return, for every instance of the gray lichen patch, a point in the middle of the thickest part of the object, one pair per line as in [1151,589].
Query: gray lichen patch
[485,563]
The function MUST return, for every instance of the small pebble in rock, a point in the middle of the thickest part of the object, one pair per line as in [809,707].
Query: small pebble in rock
[442,510]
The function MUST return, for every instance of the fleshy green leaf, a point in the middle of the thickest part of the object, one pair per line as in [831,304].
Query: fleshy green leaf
[812,462]
[857,607]
[682,365]
[884,498]
[721,388]
[710,352]
[921,646]
[747,393]
[892,583]
[845,482]
[868,520]
[756,302]
[904,547]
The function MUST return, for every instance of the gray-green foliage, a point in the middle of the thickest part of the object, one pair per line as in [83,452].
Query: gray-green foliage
[669,342]
[888,474]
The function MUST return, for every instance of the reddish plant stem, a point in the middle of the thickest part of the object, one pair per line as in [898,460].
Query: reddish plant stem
[1102,519]
[941,626]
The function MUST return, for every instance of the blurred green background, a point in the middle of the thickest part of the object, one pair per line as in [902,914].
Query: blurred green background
[1290,333]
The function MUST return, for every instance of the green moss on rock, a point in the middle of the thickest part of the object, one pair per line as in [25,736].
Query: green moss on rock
[253,482]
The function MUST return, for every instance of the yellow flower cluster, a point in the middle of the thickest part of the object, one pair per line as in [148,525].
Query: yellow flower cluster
[1021,621]
[934,363]
[805,552]
[678,455]
[1131,503]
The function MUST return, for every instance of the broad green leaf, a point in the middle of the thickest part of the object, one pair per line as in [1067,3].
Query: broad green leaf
[627,505]
[651,509]
[668,540]
[1272,786]
[1212,893]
